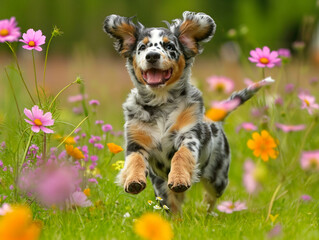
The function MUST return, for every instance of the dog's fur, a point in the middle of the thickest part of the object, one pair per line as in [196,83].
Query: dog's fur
[167,134]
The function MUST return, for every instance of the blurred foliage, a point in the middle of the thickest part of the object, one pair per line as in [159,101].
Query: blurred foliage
[275,23]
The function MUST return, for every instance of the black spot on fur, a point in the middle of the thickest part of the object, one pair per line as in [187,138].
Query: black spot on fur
[133,147]
[214,129]
[226,145]
[159,165]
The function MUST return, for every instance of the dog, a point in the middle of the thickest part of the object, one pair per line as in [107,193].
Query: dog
[167,134]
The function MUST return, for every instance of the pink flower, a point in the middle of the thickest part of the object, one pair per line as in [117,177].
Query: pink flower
[290,128]
[249,180]
[304,198]
[98,145]
[308,102]
[78,199]
[289,88]
[94,102]
[33,40]
[93,180]
[97,122]
[219,110]
[39,120]
[230,207]
[221,84]
[264,58]
[94,139]
[284,52]
[9,32]
[5,209]
[310,160]
[107,127]
[246,126]
[77,98]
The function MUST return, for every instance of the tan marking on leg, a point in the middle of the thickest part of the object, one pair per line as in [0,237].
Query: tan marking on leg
[210,195]
[175,201]
[139,136]
[178,69]
[132,176]
[186,117]
[182,167]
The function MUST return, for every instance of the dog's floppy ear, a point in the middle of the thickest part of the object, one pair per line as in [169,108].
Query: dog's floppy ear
[124,31]
[193,29]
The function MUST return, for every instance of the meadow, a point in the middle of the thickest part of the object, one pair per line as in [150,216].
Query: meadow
[61,135]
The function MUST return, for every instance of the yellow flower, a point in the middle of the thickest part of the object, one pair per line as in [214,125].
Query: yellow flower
[114,148]
[118,165]
[69,140]
[216,114]
[263,145]
[273,218]
[74,152]
[152,226]
[18,225]
[87,192]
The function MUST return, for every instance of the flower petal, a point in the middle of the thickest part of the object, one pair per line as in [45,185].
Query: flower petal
[35,129]
[28,113]
[46,130]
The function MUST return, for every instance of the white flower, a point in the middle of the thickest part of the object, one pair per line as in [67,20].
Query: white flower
[127,215]
[159,199]
[5,209]
[157,207]
[165,207]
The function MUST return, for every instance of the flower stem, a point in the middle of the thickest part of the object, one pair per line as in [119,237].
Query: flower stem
[63,89]
[16,59]
[46,59]
[72,132]
[14,95]
[25,152]
[35,78]
[272,201]
[44,147]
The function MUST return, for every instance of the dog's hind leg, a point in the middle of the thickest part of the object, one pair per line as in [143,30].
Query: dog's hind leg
[210,197]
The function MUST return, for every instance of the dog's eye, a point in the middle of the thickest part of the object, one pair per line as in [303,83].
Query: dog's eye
[142,47]
[169,46]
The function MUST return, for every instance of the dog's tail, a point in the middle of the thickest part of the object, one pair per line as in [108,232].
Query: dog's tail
[240,97]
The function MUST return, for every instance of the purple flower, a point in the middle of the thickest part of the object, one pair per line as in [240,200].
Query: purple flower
[306,198]
[33,40]
[264,57]
[246,126]
[277,230]
[94,102]
[39,121]
[77,130]
[1,164]
[94,158]
[308,102]
[289,88]
[290,128]
[284,52]
[9,32]
[93,180]
[98,145]
[77,98]
[107,128]
[94,139]
[11,187]
[99,122]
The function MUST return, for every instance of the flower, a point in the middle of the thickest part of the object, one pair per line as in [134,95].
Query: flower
[5,209]
[246,126]
[39,120]
[9,32]
[264,58]
[275,231]
[304,198]
[263,145]
[78,199]
[97,122]
[308,102]
[157,207]
[114,148]
[18,224]
[310,160]
[284,52]
[127,215]
[219,110]
[74,152]
[152,226]
[118,165]
[252,176]
[33,40]
[165,207]
[290,128]
[230,207]
[289,88]
[77,98]
[94,102]
[221,84]
[87,192]
[107,127]
[273,217]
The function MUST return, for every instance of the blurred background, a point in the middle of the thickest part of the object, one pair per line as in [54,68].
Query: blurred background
[85,50]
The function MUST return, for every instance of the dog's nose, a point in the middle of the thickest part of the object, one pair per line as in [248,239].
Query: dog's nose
[152,57]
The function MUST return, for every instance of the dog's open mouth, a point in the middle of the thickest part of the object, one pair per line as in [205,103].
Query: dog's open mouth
[155,77]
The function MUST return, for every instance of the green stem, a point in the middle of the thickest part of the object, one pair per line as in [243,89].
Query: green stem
[35,78]
[46,59]
[306,135]
[16,59]
[272,201]
[44,146]
[25,152]
[15,98]
[63,89]
[72,132]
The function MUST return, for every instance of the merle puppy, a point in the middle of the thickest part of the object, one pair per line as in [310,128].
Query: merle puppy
[167,134]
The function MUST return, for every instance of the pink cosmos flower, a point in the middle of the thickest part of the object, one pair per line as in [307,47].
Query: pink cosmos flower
[94,102]
[246,126]
[99,122]
[77,98]
[230,207]
[107,127]
[78,199]
[39,120]
[264,57]
[9,32]
[310,160]
[5,208]
[290,128]
[249,180]
[33,40]
[221,84]
[308,102]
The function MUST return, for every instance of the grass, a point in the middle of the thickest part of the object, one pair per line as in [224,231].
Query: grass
[105,220]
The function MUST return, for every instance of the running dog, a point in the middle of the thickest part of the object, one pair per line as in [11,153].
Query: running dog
[167,134]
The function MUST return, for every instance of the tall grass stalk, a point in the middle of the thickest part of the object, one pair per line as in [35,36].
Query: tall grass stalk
[35,78]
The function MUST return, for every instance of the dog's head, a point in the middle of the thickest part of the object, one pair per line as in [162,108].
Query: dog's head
[157,57]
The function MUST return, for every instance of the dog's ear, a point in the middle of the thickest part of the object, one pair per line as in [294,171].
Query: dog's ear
[193,29]
[124,31]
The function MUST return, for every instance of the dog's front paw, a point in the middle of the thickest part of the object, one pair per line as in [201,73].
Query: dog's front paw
[135,186]
[179,182]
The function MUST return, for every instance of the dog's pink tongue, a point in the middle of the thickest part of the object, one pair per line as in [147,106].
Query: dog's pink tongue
[154,76]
